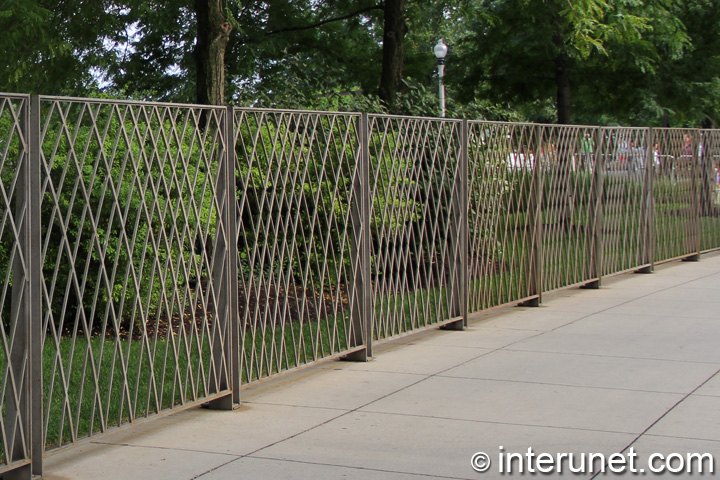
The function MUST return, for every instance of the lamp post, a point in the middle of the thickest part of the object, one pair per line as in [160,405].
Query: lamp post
[440,52]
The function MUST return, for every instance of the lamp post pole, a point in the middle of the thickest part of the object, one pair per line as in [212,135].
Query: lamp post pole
[440,51]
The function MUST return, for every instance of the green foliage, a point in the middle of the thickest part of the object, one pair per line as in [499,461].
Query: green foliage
[629,62]
[54,46]
[295,180]
[12,154]
[606,46]
[122,215]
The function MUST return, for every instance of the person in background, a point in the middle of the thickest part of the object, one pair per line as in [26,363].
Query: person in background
[587,151]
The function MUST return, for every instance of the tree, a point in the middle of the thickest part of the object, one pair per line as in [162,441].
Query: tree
[532,48]
[636,82]
[300,54]
[393,52]
[182,50]
[49,46]
[173,50]
[685,88]
[213,34]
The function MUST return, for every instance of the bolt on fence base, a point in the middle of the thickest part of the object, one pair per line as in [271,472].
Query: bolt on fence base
[647,269]
[692,258]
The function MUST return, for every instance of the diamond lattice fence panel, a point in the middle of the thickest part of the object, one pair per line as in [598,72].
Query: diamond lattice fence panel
[131,242]
[676,192]
[567,207]
[298,195]
[14,274]
[710,190]
[502,184]
[415,227]
[626,158]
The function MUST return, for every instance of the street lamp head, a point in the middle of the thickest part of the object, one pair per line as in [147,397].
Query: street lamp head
[440,50]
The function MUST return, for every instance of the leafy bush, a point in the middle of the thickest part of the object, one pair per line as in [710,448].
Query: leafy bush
[126,198]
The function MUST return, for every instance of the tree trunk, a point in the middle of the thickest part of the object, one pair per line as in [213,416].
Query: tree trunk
[393,51]
[213,34]
[562,79]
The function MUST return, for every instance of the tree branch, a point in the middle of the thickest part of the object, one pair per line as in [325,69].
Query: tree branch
[380,6]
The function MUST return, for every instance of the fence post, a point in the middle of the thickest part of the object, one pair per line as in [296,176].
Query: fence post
[708,179]
[646,260]
[232,255]
[37,434]
[23,389]
[458,239]
[695,227]
[464,195]
[361,329]
[226,343]
[596,220]
[534,235]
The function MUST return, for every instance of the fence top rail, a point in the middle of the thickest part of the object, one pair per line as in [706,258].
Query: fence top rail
[143,103]
[112,101]
[677,129]
[623,128]
[289,111]
[419,118]
[14,95]
[531,124]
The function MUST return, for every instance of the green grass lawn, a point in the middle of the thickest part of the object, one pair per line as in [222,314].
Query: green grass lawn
[89,386]
[407,311]
[268,349]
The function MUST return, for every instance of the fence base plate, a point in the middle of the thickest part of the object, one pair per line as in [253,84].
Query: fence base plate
[594,285]
[533,302]
[359,356]
[224,403]
[454,324]
[20,473]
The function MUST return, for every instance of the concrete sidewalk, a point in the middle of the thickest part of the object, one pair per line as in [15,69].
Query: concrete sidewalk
[634,364]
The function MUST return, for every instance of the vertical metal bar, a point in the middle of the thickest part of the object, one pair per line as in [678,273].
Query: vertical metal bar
[19,401]
[361,332]
[647,240]
[232,343]
[223,351]
[695,227]
[534,238]
[37,437]
[458,237]
[707,186]
[654,171]
[464,219]
[596,211]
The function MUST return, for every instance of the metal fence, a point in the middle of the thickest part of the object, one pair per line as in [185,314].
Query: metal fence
[134,244]
[298,235]
[160,256]
[416,223]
